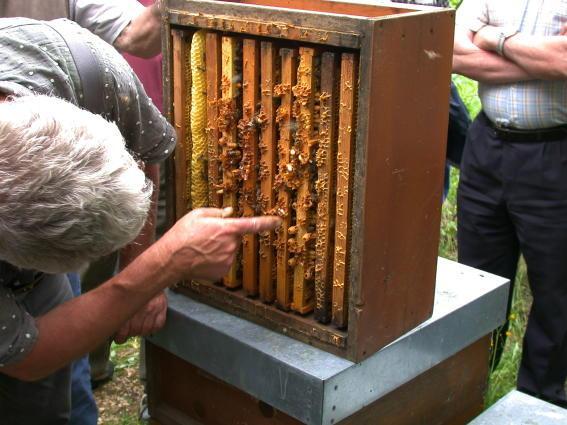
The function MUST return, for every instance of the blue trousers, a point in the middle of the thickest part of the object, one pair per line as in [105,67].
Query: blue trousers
[83,404]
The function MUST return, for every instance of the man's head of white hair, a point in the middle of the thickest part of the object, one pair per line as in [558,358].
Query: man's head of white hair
[70,192]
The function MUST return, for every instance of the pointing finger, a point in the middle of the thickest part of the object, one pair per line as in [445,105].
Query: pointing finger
[253,224]
[210,212]
[227,212]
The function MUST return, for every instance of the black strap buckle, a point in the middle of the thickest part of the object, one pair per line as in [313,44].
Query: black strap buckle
[18,280]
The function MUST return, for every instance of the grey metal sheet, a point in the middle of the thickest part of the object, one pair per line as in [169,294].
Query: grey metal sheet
[468,305]
[521,409]
[300,380]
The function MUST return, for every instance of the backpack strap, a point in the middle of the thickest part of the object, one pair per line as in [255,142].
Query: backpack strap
[89,70]
[18,280]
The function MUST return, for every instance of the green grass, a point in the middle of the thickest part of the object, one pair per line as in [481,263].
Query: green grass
[503,379]
[125,355]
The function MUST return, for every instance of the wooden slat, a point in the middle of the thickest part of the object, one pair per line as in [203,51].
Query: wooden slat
[213,61]
[326,165]
[303,285]
[182,102]
[250,159]
[229,143]
[268,168]
[284,282]
[267,27]
[344,171]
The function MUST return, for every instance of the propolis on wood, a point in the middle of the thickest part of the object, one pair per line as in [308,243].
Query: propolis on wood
[333,116]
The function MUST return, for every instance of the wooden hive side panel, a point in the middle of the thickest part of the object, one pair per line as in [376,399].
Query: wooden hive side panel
[397,209]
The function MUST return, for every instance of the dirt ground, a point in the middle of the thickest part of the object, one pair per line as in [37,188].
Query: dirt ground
[118,400]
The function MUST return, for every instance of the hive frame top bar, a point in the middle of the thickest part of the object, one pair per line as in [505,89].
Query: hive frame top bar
[334,24]
[305,382]
[353,8]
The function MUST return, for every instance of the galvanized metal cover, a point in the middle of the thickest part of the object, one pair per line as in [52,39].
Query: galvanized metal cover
[521,409]
[317,387]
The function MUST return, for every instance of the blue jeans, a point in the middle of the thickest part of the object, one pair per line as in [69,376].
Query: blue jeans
[83,404]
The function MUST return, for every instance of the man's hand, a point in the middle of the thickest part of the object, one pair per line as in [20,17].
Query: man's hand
[142,37]
[204,243]
[487,38]
[148,320]
[483,64]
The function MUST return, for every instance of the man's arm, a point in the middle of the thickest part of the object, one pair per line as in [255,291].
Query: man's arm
[483,65]
[126,24]
[147,235]
[202,245]
[142,37]
[542,57]
[151,317]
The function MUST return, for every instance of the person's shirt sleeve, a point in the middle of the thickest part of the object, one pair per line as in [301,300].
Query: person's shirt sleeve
[105,18]
[18,331]
[472,14]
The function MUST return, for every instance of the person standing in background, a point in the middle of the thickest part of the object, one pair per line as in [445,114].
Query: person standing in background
[512,195]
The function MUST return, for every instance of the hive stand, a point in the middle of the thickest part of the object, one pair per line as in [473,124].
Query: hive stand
[209,367]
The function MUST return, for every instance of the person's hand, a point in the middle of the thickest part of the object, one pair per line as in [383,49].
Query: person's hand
[148,320]
[487,38]
[203,244]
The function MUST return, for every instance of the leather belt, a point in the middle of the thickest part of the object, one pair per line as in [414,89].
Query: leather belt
[536,135]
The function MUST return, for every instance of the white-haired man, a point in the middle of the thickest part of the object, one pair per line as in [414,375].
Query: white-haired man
[130,28]
[70,193]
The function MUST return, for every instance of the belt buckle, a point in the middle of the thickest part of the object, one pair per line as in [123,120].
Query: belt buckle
[21,288]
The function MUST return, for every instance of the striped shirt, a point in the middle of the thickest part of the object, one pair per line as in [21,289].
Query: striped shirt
[533,104]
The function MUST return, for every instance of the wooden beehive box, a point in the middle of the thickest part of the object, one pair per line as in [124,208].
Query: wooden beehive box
[332,115]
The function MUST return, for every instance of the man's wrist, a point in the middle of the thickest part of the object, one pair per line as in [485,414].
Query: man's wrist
[503,36]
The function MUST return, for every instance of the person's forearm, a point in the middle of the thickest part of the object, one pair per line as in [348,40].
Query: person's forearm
[76,327]
[201,245]
[543,57]
[142,37]
[147,235]
[482,65]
